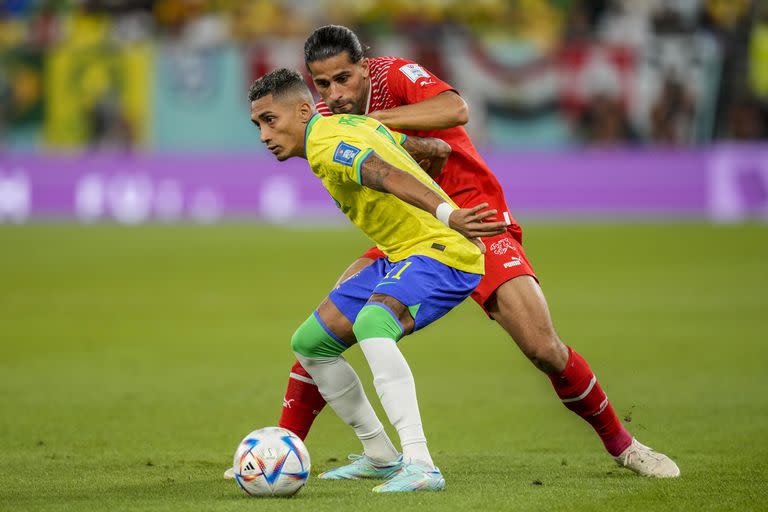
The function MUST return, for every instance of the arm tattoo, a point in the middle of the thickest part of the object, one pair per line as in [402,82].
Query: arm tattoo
[419,147]
[377,174]
[374,172]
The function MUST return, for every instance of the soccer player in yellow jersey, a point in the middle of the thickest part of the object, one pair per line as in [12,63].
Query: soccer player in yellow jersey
[435,261]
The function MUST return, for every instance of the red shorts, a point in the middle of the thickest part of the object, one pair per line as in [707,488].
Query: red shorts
[504,260]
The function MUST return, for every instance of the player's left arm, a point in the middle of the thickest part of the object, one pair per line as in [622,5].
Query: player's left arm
[377,174]
[431,153]
[445,110]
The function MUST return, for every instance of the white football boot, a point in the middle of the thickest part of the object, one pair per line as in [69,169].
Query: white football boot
[229,474]
[646,462]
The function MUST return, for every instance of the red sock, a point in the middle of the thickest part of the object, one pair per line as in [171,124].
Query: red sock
[302,402]
[577,387]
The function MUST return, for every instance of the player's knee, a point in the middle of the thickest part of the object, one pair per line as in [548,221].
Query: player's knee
[312,340]
[375,321]
[548,353]
[301,343]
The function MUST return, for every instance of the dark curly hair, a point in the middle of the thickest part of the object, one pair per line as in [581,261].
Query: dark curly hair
[278,83]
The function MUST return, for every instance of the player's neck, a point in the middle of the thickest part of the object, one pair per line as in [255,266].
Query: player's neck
[368,97]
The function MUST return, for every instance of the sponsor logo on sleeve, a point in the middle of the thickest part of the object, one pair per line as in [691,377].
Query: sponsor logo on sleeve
[414,72]
[345,154]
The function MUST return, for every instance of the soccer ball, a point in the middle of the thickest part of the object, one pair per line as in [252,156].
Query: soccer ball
[271,461]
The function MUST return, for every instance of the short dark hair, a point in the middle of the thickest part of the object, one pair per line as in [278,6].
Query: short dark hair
[331,40]
[278,83]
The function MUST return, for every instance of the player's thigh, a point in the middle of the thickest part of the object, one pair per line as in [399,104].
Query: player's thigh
[419,290]
[341,307]
[355,267]
[334,321]
[505,260]
[519,306]
[397,309]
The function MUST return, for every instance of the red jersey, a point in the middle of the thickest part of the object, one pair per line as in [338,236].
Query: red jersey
[466,178]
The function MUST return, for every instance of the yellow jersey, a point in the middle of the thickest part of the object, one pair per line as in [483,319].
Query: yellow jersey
[336,148]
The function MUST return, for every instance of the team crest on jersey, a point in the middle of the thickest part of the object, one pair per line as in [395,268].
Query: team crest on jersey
[345,154]
[414,72]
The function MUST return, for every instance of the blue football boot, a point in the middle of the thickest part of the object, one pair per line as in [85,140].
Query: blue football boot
[414,477]
[363,466]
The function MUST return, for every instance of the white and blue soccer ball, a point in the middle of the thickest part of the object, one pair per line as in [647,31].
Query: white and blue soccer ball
[271,461]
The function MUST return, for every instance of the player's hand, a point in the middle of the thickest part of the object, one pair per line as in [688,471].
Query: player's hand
[474,223]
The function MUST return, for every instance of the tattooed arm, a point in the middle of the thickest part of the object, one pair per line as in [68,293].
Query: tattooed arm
[384,177]
[430,153]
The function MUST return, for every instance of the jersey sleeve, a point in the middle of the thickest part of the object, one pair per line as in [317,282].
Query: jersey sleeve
[400,138]
[410,82]
[396,137]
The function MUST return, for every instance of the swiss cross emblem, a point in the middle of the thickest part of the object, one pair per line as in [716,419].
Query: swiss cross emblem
[502,246]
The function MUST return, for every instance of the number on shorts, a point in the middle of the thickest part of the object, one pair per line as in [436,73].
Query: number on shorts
[399,273]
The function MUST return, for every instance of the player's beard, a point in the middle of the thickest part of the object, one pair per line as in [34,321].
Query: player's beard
[349,107]
[344,108]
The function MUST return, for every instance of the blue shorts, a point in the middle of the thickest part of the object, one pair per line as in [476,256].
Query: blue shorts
[427,287]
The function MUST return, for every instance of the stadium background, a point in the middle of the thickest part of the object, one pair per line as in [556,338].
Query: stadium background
[629,137]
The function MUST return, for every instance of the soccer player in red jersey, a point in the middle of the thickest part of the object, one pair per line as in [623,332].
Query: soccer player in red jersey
[408,98]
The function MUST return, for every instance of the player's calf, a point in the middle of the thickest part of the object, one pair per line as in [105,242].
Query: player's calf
[319,349]
[378,328]
[580,392]
[302,402]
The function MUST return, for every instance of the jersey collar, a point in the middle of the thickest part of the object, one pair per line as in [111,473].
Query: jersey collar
[310,124]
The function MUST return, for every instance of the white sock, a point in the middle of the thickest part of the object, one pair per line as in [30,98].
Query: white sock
[341,388]
[395,386]
[379,447]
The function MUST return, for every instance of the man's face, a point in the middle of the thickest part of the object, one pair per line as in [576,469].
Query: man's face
[281,122]
[342,84]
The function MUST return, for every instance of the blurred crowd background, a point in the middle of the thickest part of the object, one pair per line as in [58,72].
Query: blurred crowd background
[169,75]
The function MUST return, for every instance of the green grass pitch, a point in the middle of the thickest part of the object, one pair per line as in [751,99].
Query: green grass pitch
[133,360]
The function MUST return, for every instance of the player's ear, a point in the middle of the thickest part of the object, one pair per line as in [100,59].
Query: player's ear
[305,112]
[365,67]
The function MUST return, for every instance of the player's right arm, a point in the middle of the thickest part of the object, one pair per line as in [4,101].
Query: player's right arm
[377,174]
[444,110]
[424,101]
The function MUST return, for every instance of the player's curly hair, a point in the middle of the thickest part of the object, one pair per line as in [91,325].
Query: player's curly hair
[278,83]
[331,40]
